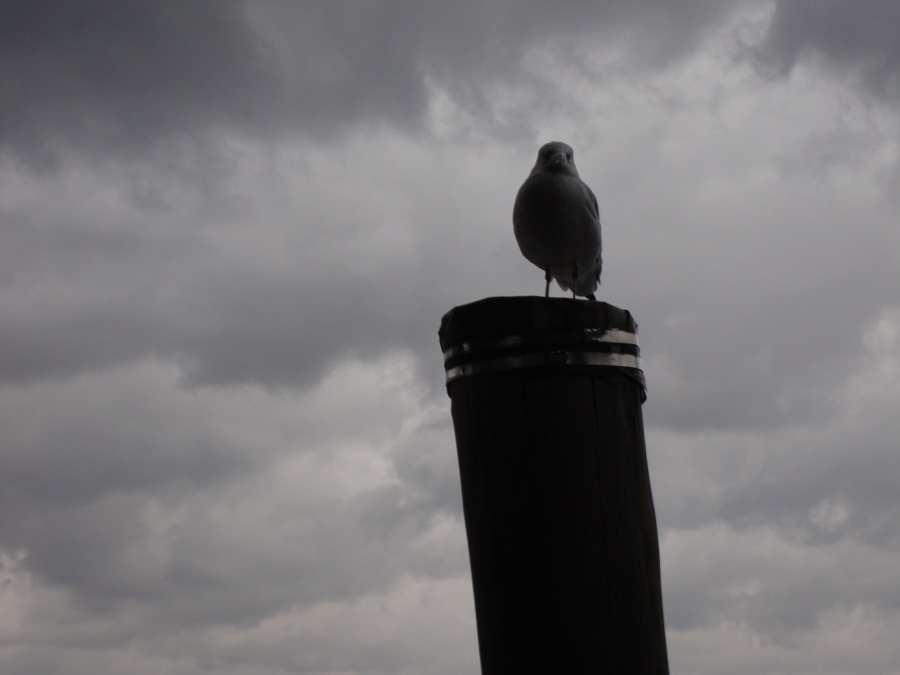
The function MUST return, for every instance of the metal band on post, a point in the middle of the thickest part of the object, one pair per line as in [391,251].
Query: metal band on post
[585,348]
[544,360]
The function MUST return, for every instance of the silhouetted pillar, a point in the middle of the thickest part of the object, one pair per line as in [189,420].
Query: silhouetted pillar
[546,400]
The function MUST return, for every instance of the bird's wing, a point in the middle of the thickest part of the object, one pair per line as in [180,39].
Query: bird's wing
[594,208]
[591,201]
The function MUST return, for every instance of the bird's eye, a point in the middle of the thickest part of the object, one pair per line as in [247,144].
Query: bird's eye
[569,156]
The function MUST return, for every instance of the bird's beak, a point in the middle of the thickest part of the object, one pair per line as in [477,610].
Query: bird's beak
[558,158]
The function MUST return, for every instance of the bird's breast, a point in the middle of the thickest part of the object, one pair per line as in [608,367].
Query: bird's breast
[552,222]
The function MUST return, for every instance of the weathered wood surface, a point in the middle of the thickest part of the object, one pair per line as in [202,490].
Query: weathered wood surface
[556,493]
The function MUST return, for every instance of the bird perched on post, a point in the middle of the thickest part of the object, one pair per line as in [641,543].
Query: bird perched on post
[557,222]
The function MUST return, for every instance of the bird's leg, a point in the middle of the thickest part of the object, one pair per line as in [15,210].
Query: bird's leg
[547,279]
[574,279]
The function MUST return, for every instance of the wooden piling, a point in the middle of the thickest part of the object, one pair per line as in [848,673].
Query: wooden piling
[546,400]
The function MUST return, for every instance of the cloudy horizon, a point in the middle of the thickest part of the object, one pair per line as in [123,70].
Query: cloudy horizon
[229,230]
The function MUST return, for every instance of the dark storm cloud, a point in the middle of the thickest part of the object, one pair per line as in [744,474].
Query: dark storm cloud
[861,40]
[94,278]
[112,74]
[124,490]
[99,74]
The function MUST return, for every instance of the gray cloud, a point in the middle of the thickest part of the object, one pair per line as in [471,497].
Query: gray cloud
[114,75]
[104,73]
[858,41]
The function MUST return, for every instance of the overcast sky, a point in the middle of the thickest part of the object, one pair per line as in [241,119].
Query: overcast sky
[228,232]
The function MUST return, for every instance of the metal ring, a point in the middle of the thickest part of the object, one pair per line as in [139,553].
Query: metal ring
[588,335]
[554,358]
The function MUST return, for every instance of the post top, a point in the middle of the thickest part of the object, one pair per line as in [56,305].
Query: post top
[508,334]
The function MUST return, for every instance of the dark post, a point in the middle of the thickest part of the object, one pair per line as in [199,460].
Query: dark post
[546,400]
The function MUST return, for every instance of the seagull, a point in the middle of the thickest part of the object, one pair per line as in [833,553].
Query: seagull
[557,222]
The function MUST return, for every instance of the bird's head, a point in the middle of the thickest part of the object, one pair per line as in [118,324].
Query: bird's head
[556,157]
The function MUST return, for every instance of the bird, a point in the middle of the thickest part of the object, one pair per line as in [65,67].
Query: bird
[556,221]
